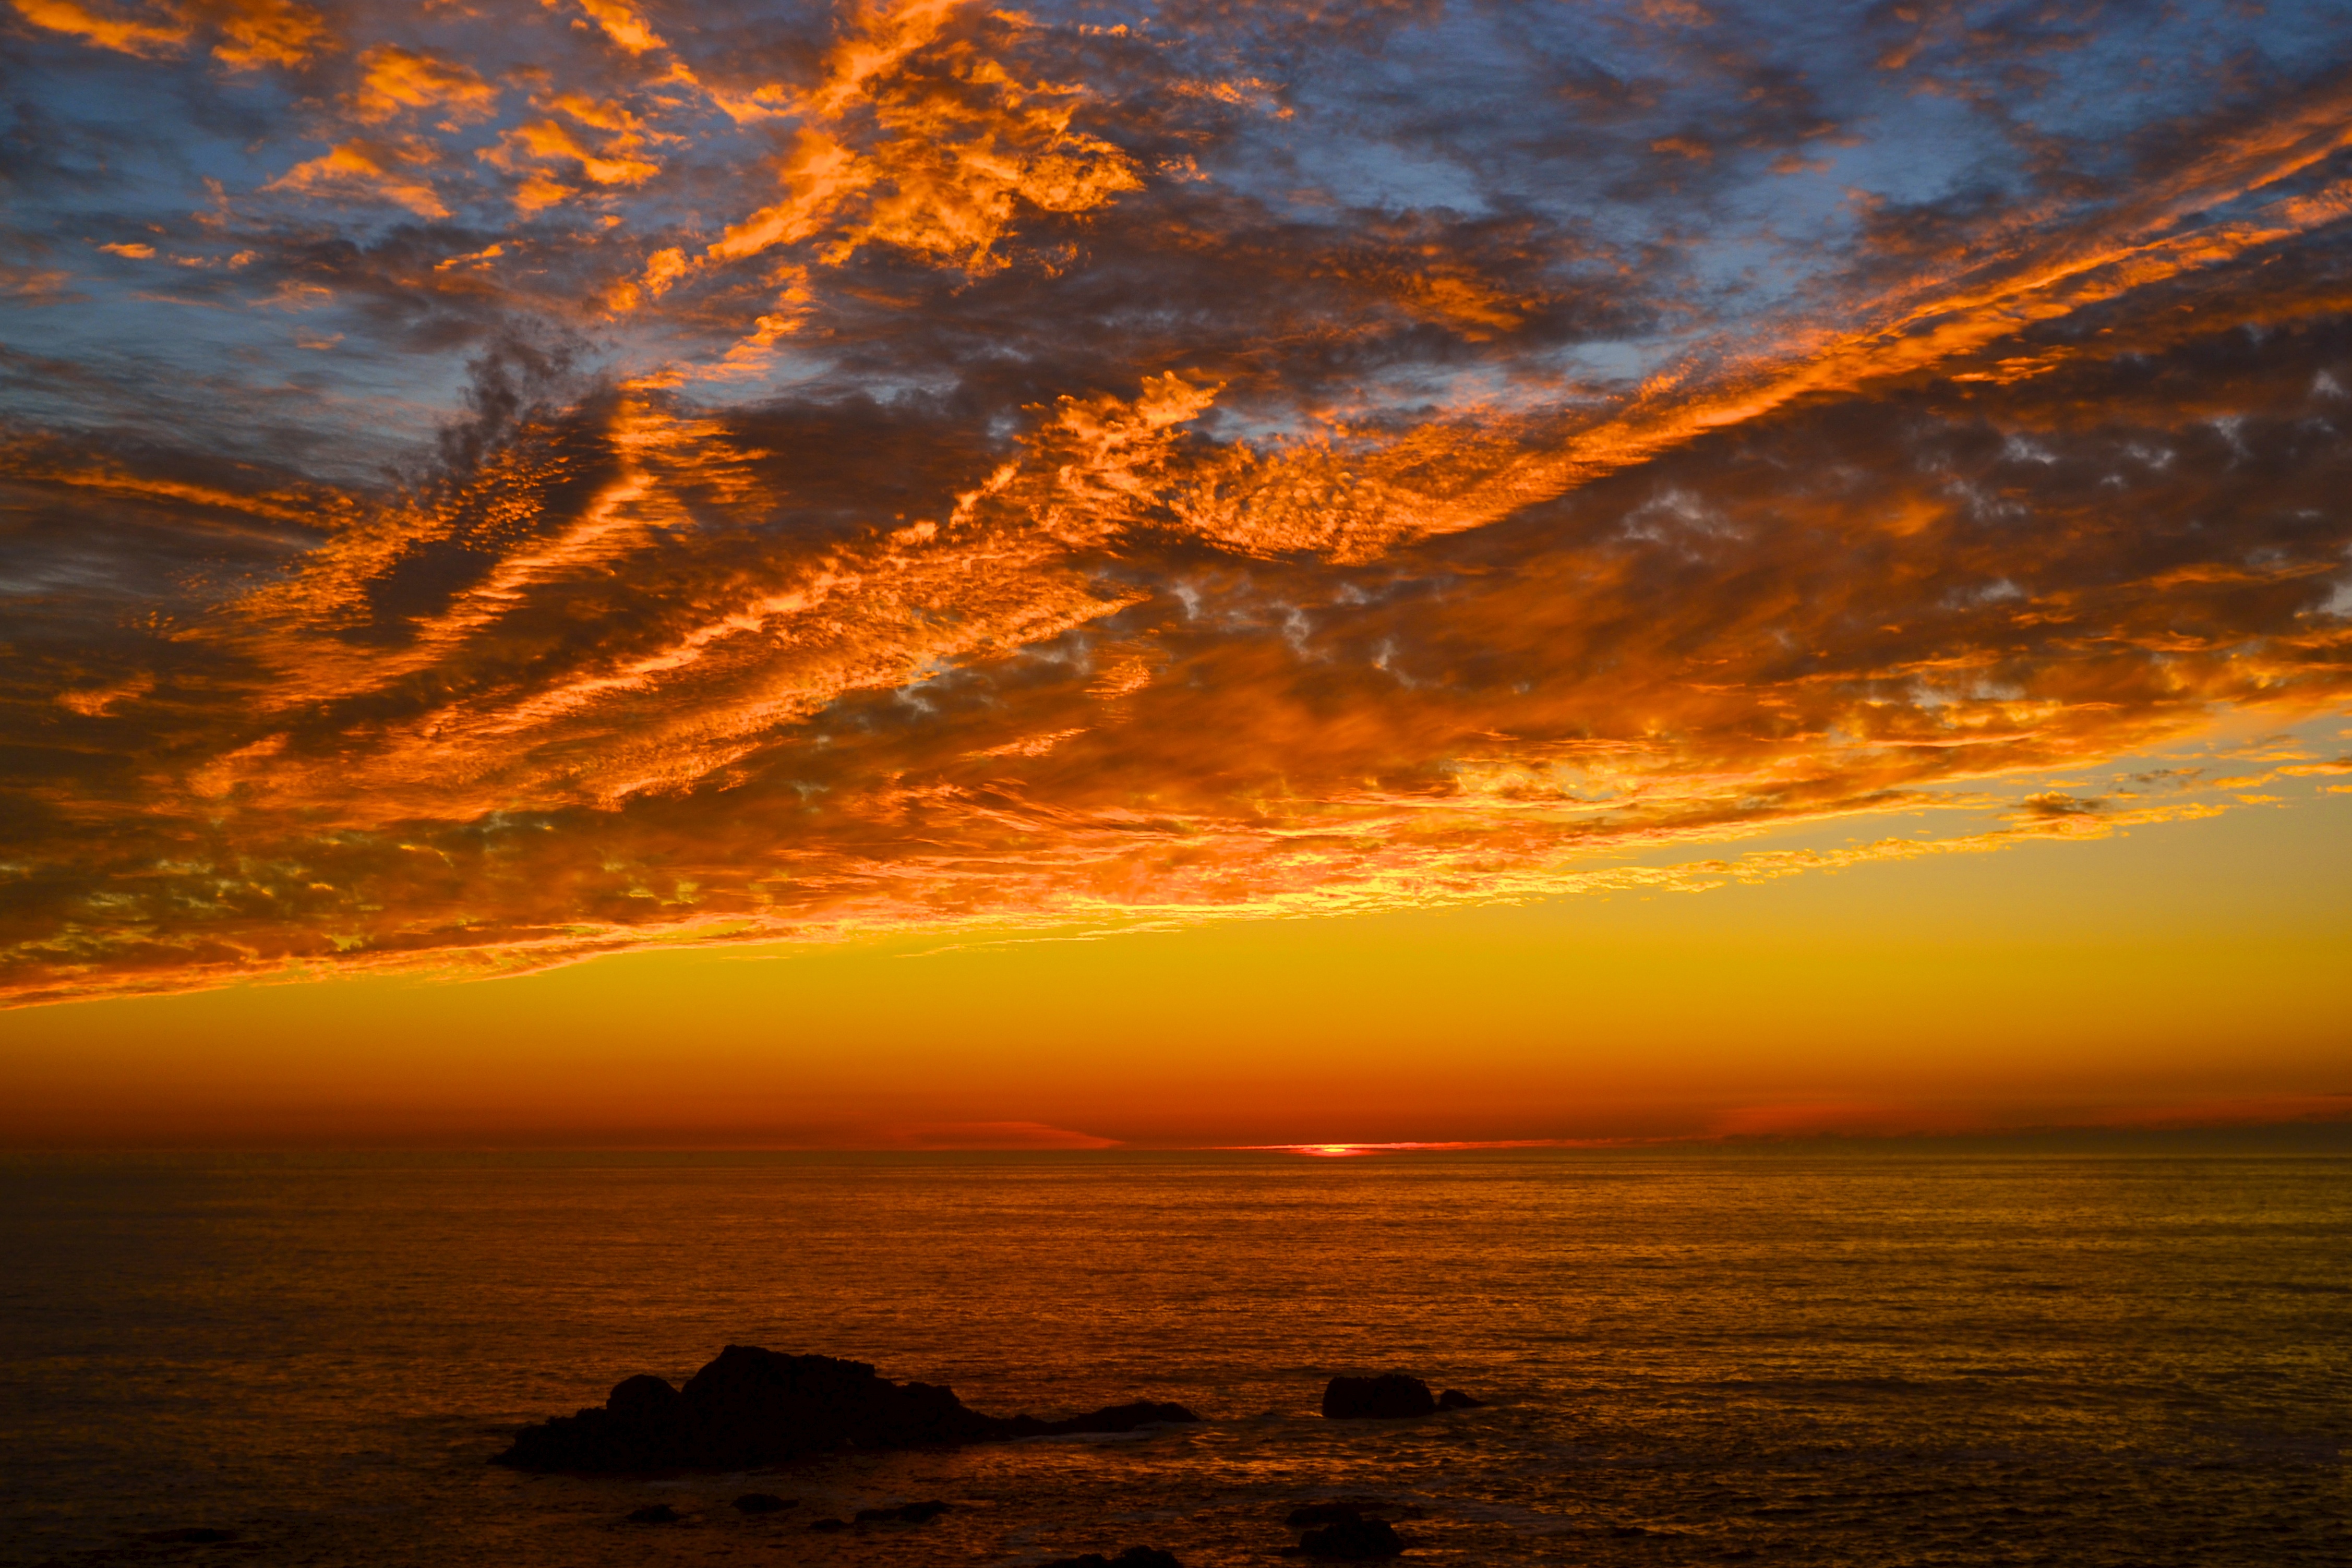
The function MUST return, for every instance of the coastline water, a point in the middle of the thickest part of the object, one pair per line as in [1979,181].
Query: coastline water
[1693,1357]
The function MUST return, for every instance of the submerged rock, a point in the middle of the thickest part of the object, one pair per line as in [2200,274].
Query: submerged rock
[1352,1540]
[1114,1418]
[190,1535]
[752,1406]
[765,1502]
[827,1526]
[1305,1516]
[1389,1396]
[1454,1399]
[1133,1557]
[654,1513]
[905,1513]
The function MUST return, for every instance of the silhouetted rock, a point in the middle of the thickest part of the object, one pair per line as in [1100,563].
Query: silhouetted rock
[765,1502]
[190,1535]
[1306,1516]
[752,1406]
[1113,1418]
[905,1513]
[654,1513]
[1133,1557]
[1454,1399]
[827,1526]
[1352,1540]
[1389,1396]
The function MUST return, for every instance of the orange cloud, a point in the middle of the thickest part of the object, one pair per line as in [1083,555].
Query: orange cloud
[379,169]
[395,80]
[547,142]
[991,1136]
[960,145]
[256,33]
[129,35]
[622,24]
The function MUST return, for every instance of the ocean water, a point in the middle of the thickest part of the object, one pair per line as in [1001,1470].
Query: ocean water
[1865,1360]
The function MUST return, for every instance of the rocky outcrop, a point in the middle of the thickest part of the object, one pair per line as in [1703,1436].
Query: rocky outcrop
[1454,1399]
[1389,1396]
[752,1406]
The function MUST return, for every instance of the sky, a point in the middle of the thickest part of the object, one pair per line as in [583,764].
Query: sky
[918,575]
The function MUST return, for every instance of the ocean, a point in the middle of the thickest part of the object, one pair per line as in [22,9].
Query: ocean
[1688,1357]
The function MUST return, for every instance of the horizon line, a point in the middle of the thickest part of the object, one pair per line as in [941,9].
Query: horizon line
[2337,1130]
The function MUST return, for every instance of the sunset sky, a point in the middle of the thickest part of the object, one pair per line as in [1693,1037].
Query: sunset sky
[919,575]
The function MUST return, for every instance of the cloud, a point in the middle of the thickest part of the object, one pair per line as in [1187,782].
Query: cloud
[256,33]
[991,1136]
[370,170]
[923,467]
[958,145]
[622,24]
[132,33]
[394,80]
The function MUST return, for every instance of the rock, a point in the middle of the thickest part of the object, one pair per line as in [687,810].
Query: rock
[1389,1396]
[1133,1557]
[905,1513]
[1112,1418]
[654,1513]
[1454,1399]
[1352,1540]
[1306,1516]
[190,1535]
[752,1406]
[646,1400]
[765,1502]
[827,1526]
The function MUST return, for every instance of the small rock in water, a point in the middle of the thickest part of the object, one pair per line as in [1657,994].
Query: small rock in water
[1133,1557]
[654,1513]
[1454,1399]
[1306,1516]
[765,1502]
[1389,1396]
[1352,1540]
[905,1513]
[827,1526]
[191,1535]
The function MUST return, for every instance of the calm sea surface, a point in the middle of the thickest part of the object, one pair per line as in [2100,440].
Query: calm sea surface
[1848,1360]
